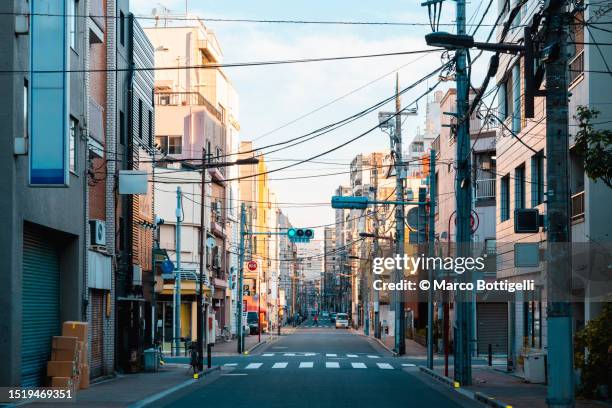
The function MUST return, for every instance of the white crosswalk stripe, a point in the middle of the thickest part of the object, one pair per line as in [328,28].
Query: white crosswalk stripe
[230,364]
[331,355]
[289,354]
[332,364]
[306,364]
[253,366]
[268,354]
[352,355]
[384,366]
[280,365]
[358,365]
[373,357]
[408,365]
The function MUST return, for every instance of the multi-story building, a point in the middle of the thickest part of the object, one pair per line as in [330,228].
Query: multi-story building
[521,177]
[196,118]
[329,255]
[287,256]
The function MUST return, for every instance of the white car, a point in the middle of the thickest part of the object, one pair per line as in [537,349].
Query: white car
[342,321]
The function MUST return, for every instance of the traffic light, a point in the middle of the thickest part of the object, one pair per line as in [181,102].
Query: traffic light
[300,234]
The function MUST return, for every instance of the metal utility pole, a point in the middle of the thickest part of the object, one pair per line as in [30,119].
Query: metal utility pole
[203,256]
[432,238]
[241,279]
[463,189]
[558,267]
[400,340]
[177,275]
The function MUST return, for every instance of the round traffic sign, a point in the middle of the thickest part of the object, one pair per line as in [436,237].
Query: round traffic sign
[252,266]
[167,266]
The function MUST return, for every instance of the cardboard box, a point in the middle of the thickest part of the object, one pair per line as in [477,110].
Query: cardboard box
[61,368]
[61,382]
[64,348]
[83,353]
[75,329]
[84,377]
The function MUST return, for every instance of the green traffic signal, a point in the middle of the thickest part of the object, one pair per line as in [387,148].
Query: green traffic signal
[291,232]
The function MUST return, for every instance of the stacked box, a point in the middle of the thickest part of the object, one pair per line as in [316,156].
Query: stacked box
[68,367]
[64,348]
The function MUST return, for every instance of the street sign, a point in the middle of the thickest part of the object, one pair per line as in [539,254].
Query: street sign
[252,266]
[351,203]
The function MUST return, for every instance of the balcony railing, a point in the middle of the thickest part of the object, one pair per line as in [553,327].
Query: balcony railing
[578,207]
[186,99]
[485,189]
[576,67]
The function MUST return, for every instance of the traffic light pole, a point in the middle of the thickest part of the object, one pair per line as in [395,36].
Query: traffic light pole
[241,279]
[400,340]
[463,359]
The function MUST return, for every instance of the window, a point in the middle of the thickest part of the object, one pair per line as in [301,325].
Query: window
[72,23]
[139,118]
[121,127]
[150,128]
[25,108]
[537,179]
[170,144]
[208,151]
[218,153]
[72,157]
[519,187]
[505,198]
[516,98]
[122,28]
[532,322]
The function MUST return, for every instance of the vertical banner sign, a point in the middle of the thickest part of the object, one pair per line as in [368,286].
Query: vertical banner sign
[49,124]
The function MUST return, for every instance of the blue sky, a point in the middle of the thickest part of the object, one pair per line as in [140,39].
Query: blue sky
[273,96]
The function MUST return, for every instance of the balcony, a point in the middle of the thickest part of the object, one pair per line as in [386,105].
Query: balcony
[577,207]
[186,99]
[576,68]
[485,189]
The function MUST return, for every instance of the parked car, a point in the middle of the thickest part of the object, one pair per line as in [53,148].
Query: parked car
[342,321]
[332,317]
[252,321]
[325,314]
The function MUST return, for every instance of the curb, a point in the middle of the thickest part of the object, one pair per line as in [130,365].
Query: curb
[379,341]
[476,395]
[261,343]
[156,397]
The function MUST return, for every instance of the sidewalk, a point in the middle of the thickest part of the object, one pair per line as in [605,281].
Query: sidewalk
[126,390]
[413,349]
[500,389]
[231,347]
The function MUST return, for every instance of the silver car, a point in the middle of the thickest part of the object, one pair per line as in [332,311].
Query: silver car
[342,321]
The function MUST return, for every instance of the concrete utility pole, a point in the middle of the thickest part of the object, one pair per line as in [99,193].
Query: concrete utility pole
[203,252]
[558,266]
[463,189]
[241,279]
[400,340]
[432,239]
[177,275]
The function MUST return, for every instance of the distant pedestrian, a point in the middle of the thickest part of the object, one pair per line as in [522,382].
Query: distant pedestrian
[316,320]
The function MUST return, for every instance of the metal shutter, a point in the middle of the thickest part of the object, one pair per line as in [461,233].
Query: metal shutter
[40,304]
[492,326]
[97,332]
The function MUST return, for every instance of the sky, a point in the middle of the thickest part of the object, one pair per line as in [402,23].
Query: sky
[272,96]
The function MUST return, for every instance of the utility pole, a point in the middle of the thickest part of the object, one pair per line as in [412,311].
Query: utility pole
[177,275]
[203,256]
[463,189]
[560,392]
[432,238]
[241,279]
[400,340]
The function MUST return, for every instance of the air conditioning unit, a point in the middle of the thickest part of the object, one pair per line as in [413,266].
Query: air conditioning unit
[137,276]
[98,232]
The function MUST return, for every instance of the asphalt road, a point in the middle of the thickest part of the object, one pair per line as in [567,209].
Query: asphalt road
[317,367]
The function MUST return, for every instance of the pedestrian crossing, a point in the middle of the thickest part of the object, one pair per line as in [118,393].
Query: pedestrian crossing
[312,354]
[317,364]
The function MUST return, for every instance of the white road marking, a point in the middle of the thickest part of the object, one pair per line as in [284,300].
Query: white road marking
[373,357]
[253,366]
[235,374]
[358,365]
[408,365]
[230,364]
[267,354]
[306,364]
[280,365]
[352,355]
[384,366]
[331,355]
[332,364]
[289,354]
[309,354]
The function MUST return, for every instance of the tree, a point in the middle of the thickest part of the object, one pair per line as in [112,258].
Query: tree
[594,146]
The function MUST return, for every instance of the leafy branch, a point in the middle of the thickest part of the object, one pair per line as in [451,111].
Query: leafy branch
[594,146]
